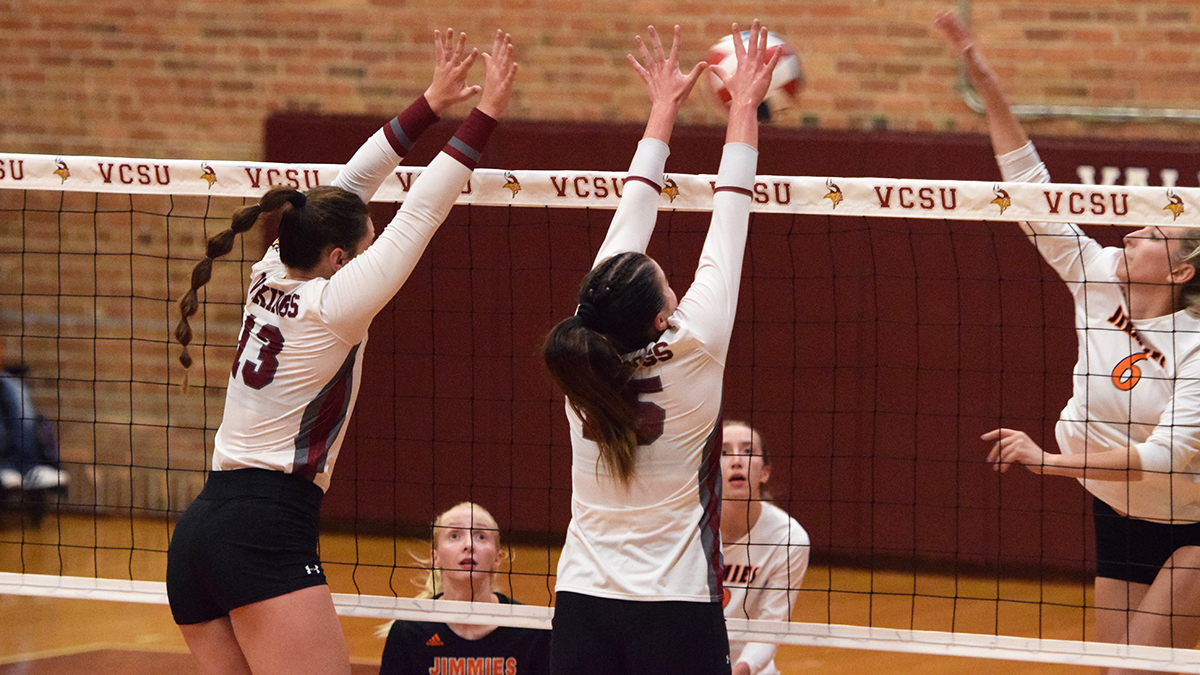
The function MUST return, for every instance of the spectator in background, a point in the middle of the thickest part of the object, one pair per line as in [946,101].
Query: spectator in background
[28,452]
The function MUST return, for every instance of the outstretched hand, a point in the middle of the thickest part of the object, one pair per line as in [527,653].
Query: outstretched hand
[665,82]
[979,72]
[749,84]
[1006,131]
[1010,446]
[450,68]
[501,69]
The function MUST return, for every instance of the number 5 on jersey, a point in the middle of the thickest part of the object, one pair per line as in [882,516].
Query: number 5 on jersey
[261,372]
[651,416]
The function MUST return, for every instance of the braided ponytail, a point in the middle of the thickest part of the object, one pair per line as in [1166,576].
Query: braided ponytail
[269,208]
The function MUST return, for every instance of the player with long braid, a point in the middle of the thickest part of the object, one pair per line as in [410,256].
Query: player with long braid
[639,581]
[243,576]
[1131,431]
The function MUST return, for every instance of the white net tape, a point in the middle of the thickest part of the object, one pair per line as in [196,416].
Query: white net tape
[870,197]
[882,197]
[936,643]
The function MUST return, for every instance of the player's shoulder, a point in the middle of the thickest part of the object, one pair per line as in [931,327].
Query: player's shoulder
[787,528]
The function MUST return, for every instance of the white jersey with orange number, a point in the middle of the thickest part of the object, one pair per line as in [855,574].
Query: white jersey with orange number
[763,571]
[656,537]
[1136,382]
[296,373]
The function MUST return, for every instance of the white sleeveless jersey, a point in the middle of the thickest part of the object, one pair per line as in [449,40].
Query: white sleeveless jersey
[657,537]
[763,571]
[1136,383]
[296,373]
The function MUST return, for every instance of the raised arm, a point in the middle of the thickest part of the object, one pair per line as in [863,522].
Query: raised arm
[668,87]
[1006,132]
[360,289]
[370,166]
[1064,246]
[711,301]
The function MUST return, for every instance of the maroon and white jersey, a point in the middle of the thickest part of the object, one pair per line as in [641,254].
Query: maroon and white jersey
[763,571]
[296,374]
[1136,383]
[657,536]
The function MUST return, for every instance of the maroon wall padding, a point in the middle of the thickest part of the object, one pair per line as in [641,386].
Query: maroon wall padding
[871,353]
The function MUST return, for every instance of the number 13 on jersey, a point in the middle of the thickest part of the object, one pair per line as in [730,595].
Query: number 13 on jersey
[258,373]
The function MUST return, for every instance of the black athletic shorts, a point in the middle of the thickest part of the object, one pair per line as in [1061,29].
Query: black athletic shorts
[599,636]
[251,535]
[1134,550]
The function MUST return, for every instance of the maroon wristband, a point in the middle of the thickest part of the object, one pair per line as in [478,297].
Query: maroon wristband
[407,127]
[467,143]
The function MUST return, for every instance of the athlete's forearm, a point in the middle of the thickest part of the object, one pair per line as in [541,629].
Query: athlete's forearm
[380,154]
[633,223]
[1124,465]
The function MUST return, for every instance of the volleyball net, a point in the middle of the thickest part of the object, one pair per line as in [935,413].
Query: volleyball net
[883,326]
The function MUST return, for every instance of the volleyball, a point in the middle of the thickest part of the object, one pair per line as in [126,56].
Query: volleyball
[786,82]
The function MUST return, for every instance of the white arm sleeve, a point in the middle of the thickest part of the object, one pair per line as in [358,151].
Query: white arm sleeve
[757,655]
[633,223]
[1175,443]
[1063,246]
[357,292]
[781,590]
[711,302]
[369,167]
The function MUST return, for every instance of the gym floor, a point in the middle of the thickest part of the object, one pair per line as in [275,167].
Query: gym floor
[89,637]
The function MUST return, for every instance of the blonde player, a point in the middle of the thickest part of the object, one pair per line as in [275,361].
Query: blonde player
[243,576]
[464,558]
[1131,431]
[639,580]
[766,550]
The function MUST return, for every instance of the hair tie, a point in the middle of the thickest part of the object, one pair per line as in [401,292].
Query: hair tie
[298,200]
[587,314]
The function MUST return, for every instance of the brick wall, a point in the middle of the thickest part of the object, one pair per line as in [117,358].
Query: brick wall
[87,290]
[90,308]
[197,79]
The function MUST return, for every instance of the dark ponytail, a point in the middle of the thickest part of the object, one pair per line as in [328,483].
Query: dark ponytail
[329,216]
[269,208]
[618,301]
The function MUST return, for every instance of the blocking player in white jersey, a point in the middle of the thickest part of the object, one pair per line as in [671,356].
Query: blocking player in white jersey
[244,579]
[1131,431]
[766,550]
[639,581]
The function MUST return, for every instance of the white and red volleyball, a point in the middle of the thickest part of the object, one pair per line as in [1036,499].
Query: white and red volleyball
[786,82]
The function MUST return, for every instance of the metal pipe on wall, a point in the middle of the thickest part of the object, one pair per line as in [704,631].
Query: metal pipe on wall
[1088,113]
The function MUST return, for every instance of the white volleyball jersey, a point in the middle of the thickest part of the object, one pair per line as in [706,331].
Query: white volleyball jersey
[657,537]
[296,373]
[1136,383]
[763,571]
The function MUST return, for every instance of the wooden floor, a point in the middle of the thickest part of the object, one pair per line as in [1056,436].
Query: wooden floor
[43,635]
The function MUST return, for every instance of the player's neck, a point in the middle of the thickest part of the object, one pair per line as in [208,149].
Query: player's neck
[481,592]
[468,592]
[1148,302]
[470,631]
